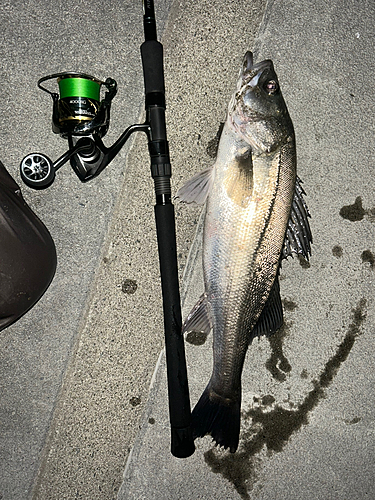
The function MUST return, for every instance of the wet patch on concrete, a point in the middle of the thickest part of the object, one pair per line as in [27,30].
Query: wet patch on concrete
[213,144]
[353,212]
[337,251]
[129,286]
[266,400]
[271,428]
[289,305]
[277,364]
[353,421]
[196,338]
[240,469]
[305,264]
[368,256]
[135,401]
[356,212]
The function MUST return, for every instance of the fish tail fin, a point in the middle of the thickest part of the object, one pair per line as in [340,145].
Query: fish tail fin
[219,417]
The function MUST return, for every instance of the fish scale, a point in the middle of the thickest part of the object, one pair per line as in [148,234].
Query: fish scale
[255,216]
[231,278]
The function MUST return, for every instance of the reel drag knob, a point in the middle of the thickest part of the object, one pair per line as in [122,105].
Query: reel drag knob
[37,171]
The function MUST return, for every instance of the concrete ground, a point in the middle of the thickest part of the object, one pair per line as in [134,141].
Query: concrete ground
[78,416]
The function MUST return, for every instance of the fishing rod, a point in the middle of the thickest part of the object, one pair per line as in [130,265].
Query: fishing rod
[81,117]
[182,443]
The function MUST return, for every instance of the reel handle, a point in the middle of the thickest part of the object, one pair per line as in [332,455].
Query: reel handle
[38,170]
[88,157]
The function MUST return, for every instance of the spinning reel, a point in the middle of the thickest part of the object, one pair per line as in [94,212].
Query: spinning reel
[79,116]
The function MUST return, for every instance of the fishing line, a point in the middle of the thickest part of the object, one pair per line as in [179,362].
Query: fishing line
[79,87]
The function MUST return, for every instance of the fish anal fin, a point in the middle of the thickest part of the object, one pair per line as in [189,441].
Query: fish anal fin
[298,236]
[197,188]
[199,318]
[271,317]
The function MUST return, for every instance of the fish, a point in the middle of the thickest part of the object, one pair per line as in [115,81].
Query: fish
[255,216]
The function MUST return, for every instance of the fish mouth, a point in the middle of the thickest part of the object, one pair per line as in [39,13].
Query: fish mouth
[249,68]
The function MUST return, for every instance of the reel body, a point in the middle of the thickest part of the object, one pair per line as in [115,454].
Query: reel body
[81,116]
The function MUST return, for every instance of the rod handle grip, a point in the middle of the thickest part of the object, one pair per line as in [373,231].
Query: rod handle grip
[153,71]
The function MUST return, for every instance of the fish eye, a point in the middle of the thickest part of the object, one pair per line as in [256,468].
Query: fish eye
[271,87]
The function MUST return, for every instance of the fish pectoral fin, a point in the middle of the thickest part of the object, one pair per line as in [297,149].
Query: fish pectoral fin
[271,317]
[199,318]
[197,188]
[298,233]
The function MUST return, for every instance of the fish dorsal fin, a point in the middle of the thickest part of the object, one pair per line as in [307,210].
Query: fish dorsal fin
[197,188]
[271,317]
[199,318]
[298,233]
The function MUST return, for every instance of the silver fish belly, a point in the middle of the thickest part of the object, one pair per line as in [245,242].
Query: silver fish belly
[255,215]
[243,238]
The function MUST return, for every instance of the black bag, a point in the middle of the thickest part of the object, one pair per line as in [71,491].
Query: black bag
[27,253]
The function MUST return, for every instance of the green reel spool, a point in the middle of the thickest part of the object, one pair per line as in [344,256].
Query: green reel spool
[78,110]
[72,86]
[79,98]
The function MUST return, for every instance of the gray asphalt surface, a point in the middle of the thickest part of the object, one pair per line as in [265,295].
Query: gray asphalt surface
[77,417]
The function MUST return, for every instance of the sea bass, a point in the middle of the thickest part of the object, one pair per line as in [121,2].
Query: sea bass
[255,215]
